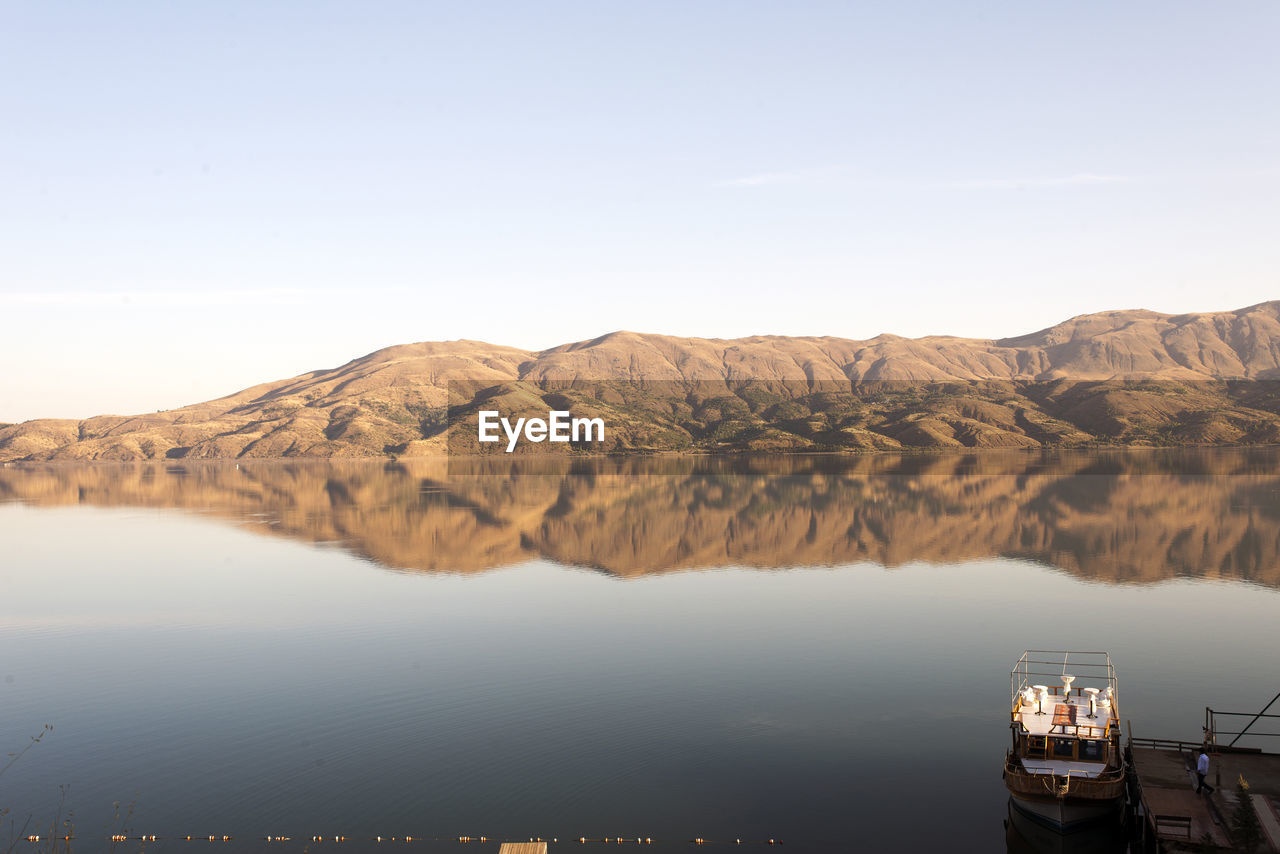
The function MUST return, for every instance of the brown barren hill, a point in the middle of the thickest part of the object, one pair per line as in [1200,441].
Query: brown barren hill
[1116,378]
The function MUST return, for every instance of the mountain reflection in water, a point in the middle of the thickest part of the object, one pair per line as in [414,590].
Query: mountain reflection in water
[1113,516]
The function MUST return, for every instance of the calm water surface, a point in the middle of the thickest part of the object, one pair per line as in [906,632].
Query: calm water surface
[807,650]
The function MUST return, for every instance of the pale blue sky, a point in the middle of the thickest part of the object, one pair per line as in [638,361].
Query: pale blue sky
[198,197]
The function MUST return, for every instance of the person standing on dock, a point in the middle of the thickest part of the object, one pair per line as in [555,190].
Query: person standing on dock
[1202,771]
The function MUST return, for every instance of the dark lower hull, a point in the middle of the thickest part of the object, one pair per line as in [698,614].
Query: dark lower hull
[1025,834]
[1067,815]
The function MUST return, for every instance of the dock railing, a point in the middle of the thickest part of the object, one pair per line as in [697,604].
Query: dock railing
[1163,743]
[1212,732]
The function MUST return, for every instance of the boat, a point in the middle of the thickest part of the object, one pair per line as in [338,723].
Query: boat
[1065,769]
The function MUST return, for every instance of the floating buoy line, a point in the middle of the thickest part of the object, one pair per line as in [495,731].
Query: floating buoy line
[339,838]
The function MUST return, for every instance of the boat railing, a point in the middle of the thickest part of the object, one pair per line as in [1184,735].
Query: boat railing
[1081,730]
[1013,765]
[1048,666]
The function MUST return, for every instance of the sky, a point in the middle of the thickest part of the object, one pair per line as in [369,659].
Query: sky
[195,198]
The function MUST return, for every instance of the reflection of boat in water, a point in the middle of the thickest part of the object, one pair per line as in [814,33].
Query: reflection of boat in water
[1025,835]
[1065,769]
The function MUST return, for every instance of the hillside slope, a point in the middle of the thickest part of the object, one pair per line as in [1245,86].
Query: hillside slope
[1121,377]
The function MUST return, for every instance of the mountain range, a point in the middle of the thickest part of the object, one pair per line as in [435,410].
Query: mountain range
[1114,378]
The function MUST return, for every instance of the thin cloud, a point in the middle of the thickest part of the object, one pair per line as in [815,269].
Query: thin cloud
[155,299]
[762,179]
[1080,179]
[841,177]
[1088,179]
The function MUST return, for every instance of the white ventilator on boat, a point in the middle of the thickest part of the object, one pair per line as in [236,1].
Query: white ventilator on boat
[1041,691]
[1093,701]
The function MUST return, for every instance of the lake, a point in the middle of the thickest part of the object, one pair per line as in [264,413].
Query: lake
[811,649]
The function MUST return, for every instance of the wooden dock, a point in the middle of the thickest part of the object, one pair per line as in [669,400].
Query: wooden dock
[1176,819]
[523,848]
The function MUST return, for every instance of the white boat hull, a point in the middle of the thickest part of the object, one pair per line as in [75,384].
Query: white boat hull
[1066,814]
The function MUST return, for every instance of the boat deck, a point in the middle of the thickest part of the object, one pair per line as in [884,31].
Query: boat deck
[1066,716]
[1062,769]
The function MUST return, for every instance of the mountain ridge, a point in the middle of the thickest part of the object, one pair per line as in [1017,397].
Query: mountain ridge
[1114,377]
